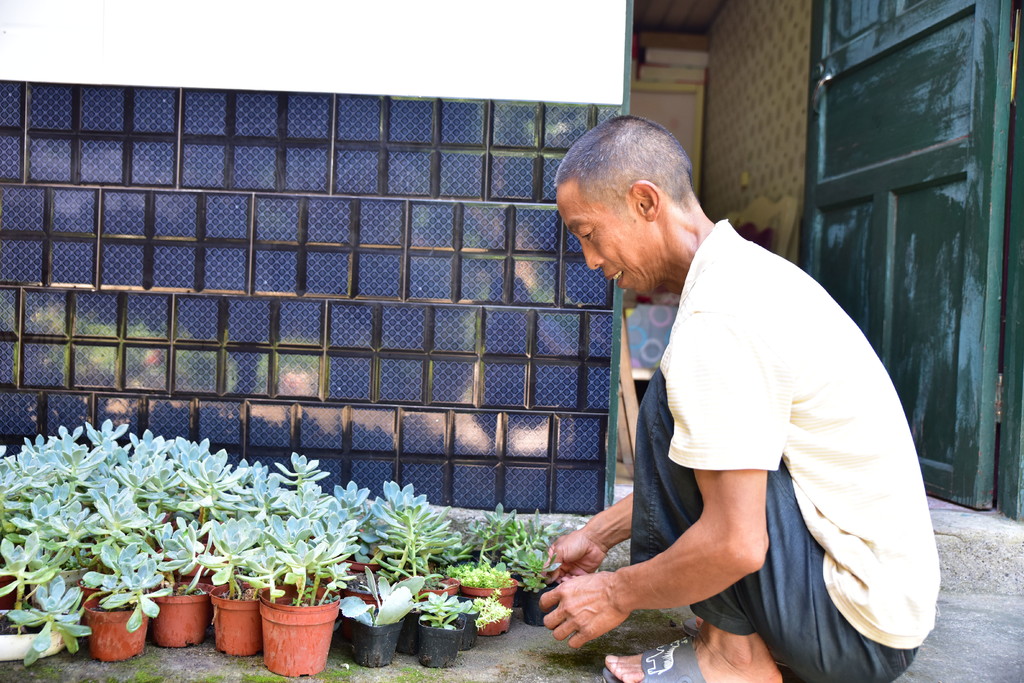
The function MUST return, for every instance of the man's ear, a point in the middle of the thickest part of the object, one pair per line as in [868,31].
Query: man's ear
[645,199]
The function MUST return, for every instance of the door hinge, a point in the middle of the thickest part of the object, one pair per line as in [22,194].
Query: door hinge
[999,398]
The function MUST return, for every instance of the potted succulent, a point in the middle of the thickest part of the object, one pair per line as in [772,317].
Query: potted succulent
[354,504]
[493,618]
[533,566]
[439,634]
[377,618]
[127,588]
[483,579]
[310,557]
[235,550]
[54,620]
[186,611]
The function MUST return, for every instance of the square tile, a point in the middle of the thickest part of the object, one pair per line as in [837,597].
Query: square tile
[355,171]
[205,112]
[475,486]
[247,372]
[10,157]
[380,222]
[351,325]
[527,436]
[119,410]
[197,318]
[455,329]
[537,229]
[476,435]
[585,287]
[276,271]
[526,489]
[462,174]
[373,429]
[349,377]
[66,410]
[515,124]
[462,122]
[18,414]
[511,176]
[426,478]
[153,163]
[402,327]
[44,365]
[45,313]
[322,427]
[21,261]
[124,213]
[95,314]
[256,114]
[309,116]
[558,334]
[409,173]
[505,384]
[401,379]
[195,371]
[145,368]
[411,120]
[453,381]
[174,267]
[72,263]
[50,107]
[21,208]
[249,321]
[327,272]
[372,474]
[8,310]
[600,341]
[358,117]
[102,108]
[74,210]
[170,419]
[269,426]
[155,110]
[298,375]
[255,167]
[220,422]
[535,281]
[599,381]
[226,269]
[95,366]
[329,220]
[147,316]
[379,275]
[423,432]
[174,214]
[50,160]
[300,322]
[564,124]
[305,169]
[11,105]
[277,218]
[580,438]
[102,161]
[506,331]
[577,491]
[203,165]
[430,277]
[555,386]
[483,278]
[227,216]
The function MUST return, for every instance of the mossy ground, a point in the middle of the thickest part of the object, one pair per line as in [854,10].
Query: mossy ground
[527,654]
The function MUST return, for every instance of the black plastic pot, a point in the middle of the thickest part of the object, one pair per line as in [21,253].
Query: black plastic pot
[409,638]
[467,626]
[374,646]
[532,613]
[438,646]
[517,598]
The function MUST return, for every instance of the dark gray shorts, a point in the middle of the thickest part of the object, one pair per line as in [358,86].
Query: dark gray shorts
[785,602]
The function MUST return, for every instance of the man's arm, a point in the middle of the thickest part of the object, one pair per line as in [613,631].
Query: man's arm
[582,551]
[728,542]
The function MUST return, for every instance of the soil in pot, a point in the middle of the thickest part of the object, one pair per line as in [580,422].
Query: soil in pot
[237,624]
[439,647]
[296,640]
[533,615]
[183,618]
[110,640]
[506,596]
[374,646]
[495,628]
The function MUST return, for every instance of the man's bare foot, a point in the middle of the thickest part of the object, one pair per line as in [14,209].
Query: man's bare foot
[723,658]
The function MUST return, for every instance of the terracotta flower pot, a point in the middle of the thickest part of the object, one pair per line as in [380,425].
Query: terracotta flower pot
[359,568]
[495,628]
[506,595]
[448,587]
[7,601]
[87,595]
[296,640]
[110,640]
[183,619]
[237,624]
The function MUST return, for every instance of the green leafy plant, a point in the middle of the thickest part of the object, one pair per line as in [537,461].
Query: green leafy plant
[532,565]
[441,611]
[233,552]
[392,603]
[415,536]
[181,549]
[57,610]
[311,556]
[130,581]
[28,565]
[482,575]
[489,611]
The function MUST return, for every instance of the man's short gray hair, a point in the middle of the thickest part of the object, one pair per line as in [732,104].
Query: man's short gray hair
[609,158]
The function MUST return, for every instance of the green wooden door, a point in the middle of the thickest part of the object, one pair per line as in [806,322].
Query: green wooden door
[904,211]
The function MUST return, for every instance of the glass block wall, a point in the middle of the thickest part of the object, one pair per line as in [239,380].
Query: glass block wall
[378,282]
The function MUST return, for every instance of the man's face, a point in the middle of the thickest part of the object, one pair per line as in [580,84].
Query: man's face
[616,241]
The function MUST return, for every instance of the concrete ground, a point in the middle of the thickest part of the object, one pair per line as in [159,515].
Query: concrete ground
[979,635]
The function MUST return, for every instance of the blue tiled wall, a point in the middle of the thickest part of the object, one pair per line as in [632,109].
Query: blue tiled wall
[379,282]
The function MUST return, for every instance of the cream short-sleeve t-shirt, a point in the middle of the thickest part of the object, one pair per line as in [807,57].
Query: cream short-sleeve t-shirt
[762,366]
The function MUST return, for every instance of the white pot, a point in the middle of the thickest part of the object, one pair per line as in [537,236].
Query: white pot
[13,648]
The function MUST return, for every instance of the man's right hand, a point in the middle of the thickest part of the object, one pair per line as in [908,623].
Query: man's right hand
[578,553]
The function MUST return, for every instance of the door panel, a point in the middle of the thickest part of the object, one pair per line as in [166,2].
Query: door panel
[905,165]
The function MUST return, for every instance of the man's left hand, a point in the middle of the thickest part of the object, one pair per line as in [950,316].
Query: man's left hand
[584,608]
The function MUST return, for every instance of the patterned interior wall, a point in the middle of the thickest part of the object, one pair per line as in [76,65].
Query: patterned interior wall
[379,282]
[756,104]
